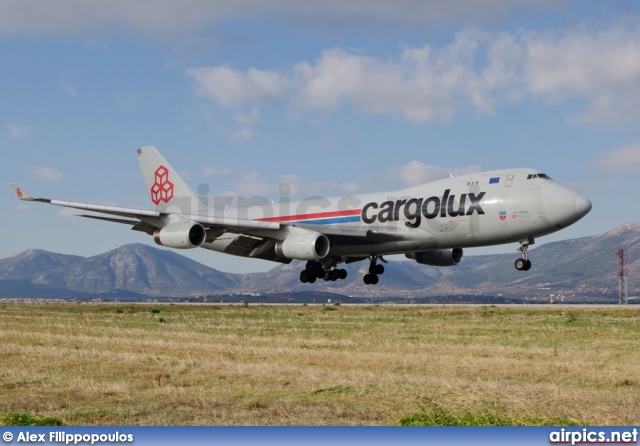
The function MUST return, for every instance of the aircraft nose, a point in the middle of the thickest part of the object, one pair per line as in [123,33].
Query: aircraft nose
[583,206]
[562,205]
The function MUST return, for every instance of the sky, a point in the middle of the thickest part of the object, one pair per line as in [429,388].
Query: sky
[329,98]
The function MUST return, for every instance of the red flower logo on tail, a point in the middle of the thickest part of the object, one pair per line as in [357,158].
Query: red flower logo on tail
[162,189]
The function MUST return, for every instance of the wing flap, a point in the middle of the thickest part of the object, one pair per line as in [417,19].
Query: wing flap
[378,235]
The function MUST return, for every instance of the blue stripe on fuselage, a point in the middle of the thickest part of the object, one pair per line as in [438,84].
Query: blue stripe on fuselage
[329,221]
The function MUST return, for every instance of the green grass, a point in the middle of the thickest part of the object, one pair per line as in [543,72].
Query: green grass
[27,419]
[116,364]
[435,415]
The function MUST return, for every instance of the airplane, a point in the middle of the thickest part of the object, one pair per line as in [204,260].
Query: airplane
[430,223]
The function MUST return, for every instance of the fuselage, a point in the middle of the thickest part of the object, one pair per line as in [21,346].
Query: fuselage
[485,208]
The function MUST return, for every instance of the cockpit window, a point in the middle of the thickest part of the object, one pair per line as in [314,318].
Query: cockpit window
[538,175]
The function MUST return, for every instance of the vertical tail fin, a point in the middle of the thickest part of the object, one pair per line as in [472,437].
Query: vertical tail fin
[167,190]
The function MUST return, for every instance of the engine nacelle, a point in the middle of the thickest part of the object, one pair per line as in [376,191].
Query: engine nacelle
[437,257]
[181,235]
[306,246]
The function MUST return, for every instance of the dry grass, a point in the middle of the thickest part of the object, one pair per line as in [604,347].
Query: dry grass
[102,364]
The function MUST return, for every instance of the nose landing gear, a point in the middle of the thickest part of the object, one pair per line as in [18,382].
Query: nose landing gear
[524,264]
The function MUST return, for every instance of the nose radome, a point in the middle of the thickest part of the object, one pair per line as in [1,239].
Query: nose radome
[583,206]
[562,205]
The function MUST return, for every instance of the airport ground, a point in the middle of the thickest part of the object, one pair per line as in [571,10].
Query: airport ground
[161,364]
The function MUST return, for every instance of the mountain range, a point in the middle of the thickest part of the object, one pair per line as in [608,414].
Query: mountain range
[584,268]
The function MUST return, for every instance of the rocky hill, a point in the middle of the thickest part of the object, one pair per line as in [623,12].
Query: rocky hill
[579,268]
[137,268]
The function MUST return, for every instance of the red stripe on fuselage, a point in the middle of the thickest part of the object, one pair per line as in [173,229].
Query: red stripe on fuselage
[314,216]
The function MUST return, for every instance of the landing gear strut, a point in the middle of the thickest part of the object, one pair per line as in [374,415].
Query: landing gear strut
[314,270]
[374,271]
[524,264]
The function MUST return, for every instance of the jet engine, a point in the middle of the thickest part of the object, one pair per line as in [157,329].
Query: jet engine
[437,257]
[181,235]
[303,246]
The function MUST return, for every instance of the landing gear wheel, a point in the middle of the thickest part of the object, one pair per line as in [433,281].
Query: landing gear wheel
[327,276]
[370,279]
[335,275]
[524,264]
[312,279]
[374,270]
[343,274]
[304,276]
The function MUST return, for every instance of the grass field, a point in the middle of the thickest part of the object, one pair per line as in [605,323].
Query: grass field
[105,364]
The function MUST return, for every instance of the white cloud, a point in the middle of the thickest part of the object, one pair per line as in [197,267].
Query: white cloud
[232,88]
[167,18]
[423,85]
[126,101]
[67,212]
[243,135]
[255,184]
[350,187]
[215,172]
[625,159]
[18,131]
[23,207]
[602,67]
[301,187]
[46,173]
[417,172]
[248,118]
[252,183]
[478,71]
[71,91]
[412,88]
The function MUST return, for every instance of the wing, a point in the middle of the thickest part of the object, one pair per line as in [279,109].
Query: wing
[248,238]
[155,219]
[244,237]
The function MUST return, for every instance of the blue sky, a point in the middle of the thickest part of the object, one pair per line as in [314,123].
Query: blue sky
[332,98]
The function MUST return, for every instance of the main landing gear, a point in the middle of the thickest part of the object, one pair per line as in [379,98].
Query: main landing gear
[524,264]
[314,270]
[374,271]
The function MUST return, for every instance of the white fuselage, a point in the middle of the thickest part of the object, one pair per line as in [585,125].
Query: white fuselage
[485,208]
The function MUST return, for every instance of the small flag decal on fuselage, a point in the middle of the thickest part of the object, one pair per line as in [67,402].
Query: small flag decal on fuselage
[495,180]
[503,215]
